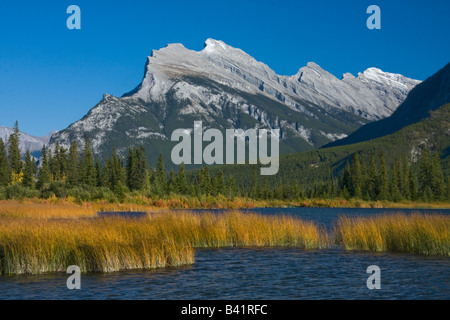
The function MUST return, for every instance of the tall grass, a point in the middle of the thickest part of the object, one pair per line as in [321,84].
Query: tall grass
[107,244]
[415,233]
[48,237]
[37,245]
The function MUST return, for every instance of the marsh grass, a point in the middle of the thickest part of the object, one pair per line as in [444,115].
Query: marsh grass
[49,237]
[415,233]
[32,245]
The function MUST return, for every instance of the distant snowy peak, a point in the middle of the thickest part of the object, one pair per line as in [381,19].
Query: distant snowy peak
[32,143]
[391,79]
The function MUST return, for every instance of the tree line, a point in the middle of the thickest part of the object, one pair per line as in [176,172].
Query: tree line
[76,172]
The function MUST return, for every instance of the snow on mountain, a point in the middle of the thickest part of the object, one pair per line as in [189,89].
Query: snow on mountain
[227,88]
[373,94]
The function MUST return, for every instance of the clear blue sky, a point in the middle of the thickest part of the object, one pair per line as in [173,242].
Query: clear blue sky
[51,76]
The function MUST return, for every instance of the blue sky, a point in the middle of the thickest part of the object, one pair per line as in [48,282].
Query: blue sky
[51,76]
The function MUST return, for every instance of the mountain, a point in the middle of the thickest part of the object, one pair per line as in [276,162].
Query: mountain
[227,88]
[32,143]
[309,167]
[425,97]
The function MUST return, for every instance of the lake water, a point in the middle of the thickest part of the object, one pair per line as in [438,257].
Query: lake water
[276,273]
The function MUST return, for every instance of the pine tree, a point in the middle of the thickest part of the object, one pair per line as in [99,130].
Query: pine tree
[62,163]
[426,173]
[205,181]
[98,173]
[254,193]
[448,188]
[172,182]
[73,164]
[279,192]
[107,174]
[220,183]
[29,171]
[383,179]
[266,189]
[346,179]
[437,178]
[181,180]
[15,165]
[44,174]
[144,171]
[160,181]
[372,179]
[5,174]
[412,186]
[132,170]
[87,165]
[356,178]
[394,183]
[232,187]
[406,184]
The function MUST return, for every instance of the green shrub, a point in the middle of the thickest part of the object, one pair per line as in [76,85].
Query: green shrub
[17,191]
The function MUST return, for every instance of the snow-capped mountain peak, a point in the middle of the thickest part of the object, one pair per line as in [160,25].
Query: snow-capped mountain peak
[226,87]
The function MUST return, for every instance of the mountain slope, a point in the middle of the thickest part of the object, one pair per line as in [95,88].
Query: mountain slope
[309,167]
[226,88]
[425,97]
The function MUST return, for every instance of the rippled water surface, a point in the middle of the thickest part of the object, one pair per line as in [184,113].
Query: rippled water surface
[276,273]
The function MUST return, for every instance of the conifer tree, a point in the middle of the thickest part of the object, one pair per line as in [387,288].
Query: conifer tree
[87,165]
[383,179]
[220,183]
[412,186]
[107,174]
[73,164]
[181,180]
[132,169]
[254,193]
[15,165]
[29,171]
[98,173]
[437,178]
[372,178]
[356,179]
[160,181]
[4,168]
[205,181]
[406,184]
[172,184]
[346,179]
[426,173]
[394,183]
[232,187]
[44,174]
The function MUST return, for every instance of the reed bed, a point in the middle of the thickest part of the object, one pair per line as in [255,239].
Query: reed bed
[49,237]
[416,233]
[33,245]
[236,229]
[107,244]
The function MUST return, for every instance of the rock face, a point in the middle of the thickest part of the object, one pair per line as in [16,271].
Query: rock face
[32,143]
[227,88]
[428,96]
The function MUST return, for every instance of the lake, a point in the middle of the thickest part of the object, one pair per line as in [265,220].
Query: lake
[275,273]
